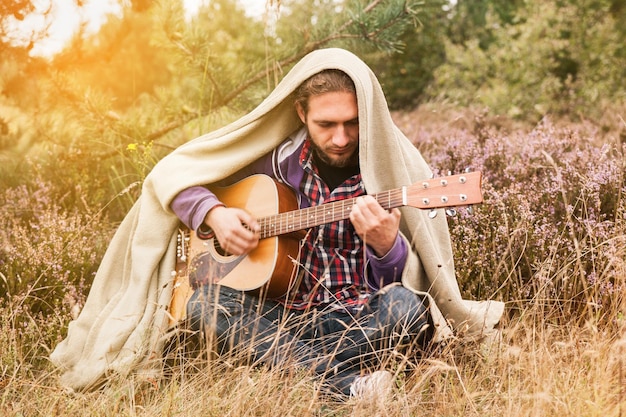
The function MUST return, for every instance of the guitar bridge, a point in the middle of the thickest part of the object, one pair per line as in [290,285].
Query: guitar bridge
[182,246]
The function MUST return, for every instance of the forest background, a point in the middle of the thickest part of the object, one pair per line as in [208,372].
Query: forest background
[531,93]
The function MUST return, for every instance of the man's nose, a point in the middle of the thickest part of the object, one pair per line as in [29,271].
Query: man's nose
[341,138]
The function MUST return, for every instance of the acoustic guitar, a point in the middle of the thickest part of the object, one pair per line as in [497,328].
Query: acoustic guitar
[270,266]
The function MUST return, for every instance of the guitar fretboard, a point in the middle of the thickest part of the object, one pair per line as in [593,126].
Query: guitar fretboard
[296,220]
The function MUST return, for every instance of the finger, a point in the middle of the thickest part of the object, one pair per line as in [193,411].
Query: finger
[244,234]
[361,206]
[370,206]
[369,211]
[238,244]
[249,221]
[395,213]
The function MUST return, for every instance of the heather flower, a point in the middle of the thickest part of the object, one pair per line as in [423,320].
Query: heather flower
[549,231]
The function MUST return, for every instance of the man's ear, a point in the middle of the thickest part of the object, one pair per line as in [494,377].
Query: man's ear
[301,112]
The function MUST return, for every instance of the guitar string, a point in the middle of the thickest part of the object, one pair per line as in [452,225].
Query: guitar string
[283,223]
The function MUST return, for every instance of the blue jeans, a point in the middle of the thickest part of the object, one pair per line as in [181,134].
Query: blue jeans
[335,344]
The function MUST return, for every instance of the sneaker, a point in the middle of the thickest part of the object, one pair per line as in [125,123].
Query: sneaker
[377,385]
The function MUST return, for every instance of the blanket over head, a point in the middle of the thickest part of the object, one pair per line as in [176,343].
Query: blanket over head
[124,322]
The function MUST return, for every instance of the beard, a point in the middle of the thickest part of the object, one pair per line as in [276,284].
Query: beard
[351,160]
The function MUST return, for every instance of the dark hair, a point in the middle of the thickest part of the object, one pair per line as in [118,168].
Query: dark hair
[327,81]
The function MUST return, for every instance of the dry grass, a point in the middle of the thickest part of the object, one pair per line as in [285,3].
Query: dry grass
[533,369]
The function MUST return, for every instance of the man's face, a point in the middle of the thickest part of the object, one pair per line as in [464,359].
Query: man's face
[333,124]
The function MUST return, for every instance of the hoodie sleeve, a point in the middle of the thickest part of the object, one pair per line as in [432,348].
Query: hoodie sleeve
[388,268]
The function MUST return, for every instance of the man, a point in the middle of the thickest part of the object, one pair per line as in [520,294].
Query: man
[338,317]
[125,321]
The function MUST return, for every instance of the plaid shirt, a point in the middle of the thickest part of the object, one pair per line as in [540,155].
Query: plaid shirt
[335,278]
[332,259]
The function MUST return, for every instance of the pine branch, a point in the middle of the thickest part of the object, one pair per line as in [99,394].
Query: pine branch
[342,33]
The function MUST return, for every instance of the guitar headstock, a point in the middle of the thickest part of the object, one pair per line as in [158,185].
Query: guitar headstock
[450,191]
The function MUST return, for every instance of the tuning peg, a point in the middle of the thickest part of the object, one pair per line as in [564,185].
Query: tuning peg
[432,214]
[451,212]
[468,170]
[470,209]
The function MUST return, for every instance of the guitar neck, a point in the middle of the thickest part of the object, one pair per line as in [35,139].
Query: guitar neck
[296,220]
[453,190]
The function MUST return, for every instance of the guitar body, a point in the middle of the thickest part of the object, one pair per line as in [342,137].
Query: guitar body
[261,196]
[268,267]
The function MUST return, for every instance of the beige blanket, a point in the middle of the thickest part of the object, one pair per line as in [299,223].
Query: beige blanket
[122,326]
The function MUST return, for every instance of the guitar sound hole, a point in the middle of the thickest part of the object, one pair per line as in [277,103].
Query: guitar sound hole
[220,250]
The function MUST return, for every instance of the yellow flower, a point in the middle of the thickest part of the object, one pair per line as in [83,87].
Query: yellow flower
[132,147]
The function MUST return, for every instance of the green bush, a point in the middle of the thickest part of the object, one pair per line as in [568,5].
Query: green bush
[559,58]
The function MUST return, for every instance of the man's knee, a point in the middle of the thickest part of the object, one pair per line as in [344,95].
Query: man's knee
[408,311]
[400,300]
